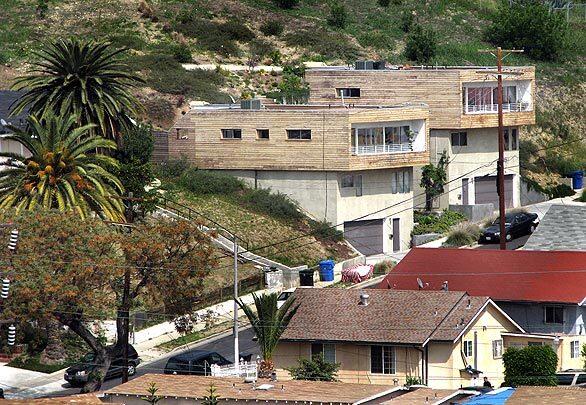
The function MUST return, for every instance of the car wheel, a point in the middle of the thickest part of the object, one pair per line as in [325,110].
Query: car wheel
[509,237]
[131,369]
[531,229]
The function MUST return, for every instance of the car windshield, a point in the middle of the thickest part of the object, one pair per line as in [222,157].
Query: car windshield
[508,220]
[284,296]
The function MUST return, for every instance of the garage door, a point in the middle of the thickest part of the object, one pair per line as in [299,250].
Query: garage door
[365,236]
[485,191]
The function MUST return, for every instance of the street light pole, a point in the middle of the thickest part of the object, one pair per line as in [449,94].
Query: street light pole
[236,346]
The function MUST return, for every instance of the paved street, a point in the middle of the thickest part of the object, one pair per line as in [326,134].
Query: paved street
[223,344]
[512,245]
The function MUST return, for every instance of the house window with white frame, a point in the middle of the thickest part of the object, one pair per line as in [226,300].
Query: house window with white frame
[575,349]
[401,181]
[484,99]
[327,350]
[497,349]
[468,348]
[383,360]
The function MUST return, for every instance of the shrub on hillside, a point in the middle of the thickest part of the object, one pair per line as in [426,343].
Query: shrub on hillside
[433,223]
[421,45]
[325,230]
[560,191]
[272,28]
[286,4]
[182,53]
[384,3]
[172,169]
[531,365]
[327,44]
[209,182]
[463,234]
[277,204]
[407,20]
[530,26]
[338,17]
[215,36]
[383,267]
[261,48]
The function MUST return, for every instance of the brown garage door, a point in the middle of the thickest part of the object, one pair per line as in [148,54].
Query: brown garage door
[485,191]
[365,236]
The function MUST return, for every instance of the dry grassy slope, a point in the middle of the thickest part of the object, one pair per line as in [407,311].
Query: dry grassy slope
[372,32]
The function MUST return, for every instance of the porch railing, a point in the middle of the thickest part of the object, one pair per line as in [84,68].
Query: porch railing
[243,370]
[493,108]
[381,149]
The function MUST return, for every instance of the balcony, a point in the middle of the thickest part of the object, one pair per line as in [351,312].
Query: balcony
[493,108]
[381,149]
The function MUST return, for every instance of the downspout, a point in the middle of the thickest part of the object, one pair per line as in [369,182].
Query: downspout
[475,350]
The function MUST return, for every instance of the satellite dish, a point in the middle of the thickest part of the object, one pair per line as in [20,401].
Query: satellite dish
[420,283]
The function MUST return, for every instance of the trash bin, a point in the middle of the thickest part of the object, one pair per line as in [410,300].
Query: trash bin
[577,179]
[306,278]
[326,270]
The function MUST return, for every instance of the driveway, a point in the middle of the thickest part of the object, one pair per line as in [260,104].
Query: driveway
[512,245]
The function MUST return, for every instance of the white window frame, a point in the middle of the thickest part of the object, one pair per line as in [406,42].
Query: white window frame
[341,90]
[393,370]
[468,348]
[575,349]
[497,349]
[401,181]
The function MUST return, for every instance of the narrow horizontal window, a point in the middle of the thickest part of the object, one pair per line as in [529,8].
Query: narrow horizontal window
[299,134]
[231,133]
[348,92]
[262,133]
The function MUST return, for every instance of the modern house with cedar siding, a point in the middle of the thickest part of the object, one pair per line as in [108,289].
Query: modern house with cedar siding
[447,339]
[463,118]
[339,163]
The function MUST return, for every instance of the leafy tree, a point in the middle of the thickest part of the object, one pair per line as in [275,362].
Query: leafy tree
[384,3]
[421,45]
[84,79]
[287,4]
[531,365]
[72,270]
[433,179]
[152,397]
[212,398]
[529,25]
[338,15]
[268,323]
[316,369]
[62,171]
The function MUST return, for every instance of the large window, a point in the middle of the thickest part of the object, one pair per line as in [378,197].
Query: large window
[575,349]
[382,360]
[485,99]
[459,138]
[299,134]
[231,133]
[497,349]
[348,92]
[554,315]
[468,348]
[401,181]
[328,351]
[382,140]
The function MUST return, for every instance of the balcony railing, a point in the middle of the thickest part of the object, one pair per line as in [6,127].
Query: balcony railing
[493,108]
[243,370]
[381,149]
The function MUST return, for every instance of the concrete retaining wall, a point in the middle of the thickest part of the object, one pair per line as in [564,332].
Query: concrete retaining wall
[475,212]
[417,240]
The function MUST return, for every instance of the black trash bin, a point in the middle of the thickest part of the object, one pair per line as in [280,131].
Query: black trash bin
[306,277]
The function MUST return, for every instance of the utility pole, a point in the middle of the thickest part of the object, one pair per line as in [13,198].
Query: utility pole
[126,299]
[501,141]
[236,346]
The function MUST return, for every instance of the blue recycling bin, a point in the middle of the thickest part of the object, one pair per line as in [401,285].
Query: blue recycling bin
[577,179]
[326,270]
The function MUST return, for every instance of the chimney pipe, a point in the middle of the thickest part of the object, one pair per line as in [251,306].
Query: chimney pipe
[445,286]
[364,299]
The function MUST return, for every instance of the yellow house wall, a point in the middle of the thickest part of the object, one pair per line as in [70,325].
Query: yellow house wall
[563,349]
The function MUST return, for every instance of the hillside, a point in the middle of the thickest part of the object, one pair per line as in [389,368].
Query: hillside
[163,33]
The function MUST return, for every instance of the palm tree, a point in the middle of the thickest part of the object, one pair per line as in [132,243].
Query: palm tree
[63,171]
[82,78]
[268,323]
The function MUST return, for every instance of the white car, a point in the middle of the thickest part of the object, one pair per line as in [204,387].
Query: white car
[284,296]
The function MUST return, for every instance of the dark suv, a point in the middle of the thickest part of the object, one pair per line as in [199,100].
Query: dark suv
[78,374]
[196,362]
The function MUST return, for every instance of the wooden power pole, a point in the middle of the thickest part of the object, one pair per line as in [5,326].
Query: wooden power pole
[501,140]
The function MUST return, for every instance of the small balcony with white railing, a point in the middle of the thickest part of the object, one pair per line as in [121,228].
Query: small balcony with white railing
[494,108]
[244,369]
[382,139]
[482,98]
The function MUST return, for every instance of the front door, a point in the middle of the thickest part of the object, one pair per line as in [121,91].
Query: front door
[396,235]
[464,191]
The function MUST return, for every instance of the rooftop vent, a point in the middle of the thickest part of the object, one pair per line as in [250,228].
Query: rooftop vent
[370,65]
[364,299]
[251,104]
[445,286]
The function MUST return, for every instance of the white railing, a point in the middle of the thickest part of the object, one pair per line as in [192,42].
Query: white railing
[381,149]
[493,108]
[244,370]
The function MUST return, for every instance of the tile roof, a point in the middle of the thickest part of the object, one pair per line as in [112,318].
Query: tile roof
[403,317]
[195,387]
[562,228]
[422,396]
[85,399]
[511,275]
[548,396]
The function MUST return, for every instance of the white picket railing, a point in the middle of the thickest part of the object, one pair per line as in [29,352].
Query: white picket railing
[244,370]
[493,108]
[381,149]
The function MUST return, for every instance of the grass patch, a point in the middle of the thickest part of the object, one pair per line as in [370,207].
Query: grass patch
[326,44]
[463,234]
[209,182]
[434,223]
[383,267]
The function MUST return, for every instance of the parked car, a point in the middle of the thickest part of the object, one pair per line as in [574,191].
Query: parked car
[516,225]
[197,362]
[78,374]
[572,377]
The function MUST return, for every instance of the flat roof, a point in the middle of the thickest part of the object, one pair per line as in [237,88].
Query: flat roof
[335,107]
[396,68]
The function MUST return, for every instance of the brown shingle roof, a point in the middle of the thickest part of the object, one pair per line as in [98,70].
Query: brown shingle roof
[392,316]
[195,387]
[85,399]
[548,396]
[419,396]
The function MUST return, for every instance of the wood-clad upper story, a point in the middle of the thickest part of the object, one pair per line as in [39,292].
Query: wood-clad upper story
[458,97]
[302,137]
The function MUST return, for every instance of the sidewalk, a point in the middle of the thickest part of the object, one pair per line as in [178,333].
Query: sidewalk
[541,208]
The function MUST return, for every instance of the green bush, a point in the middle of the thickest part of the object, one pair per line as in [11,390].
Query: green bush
[215,36]
[316,369]
[560,191]
[433,223]
[325,230]
[532,365]
[383,267]
[384,3]
[582,198]
[209,182]
[530,26]
[287,4]
[182,53]
[277,204]
[261,48]
[410,380]
[172,169]
[421,45]
[272,28]
[338,17]
[407,20]
[327,44]
[463,234]
[159,110]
